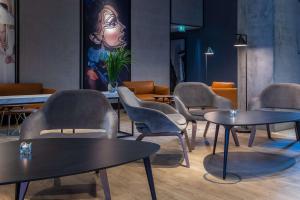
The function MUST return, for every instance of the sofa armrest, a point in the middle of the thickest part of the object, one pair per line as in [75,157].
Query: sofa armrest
[161,90]
[48,91]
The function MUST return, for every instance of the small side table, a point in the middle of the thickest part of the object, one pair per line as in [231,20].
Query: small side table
[165,98]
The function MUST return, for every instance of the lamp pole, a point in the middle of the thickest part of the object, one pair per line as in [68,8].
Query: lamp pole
[208,52]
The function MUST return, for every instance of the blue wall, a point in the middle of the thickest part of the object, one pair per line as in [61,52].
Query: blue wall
[220,27]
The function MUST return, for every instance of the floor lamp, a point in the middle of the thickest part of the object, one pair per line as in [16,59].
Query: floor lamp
[208,52]
[242,42]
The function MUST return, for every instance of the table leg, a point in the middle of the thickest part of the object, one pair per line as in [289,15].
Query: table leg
[119,115]
[252,136]
[226,143]
[21,189]
[150,177]
[297,129]
[216,138]
[105,184]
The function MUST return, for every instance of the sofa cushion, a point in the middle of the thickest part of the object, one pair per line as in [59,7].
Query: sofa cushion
[178,118]
[20,89]
[140,87]
[146,97]
[223,85]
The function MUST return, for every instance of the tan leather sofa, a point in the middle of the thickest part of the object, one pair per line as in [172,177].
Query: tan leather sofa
[145,90]
[9,89]
[227,90]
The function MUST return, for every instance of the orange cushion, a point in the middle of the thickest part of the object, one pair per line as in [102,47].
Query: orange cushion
[146,97]
[140,87]
[223,85]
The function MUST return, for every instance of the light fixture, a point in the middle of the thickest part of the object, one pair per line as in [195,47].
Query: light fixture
[241,43]
[181,28]
[241,40]
[208,52]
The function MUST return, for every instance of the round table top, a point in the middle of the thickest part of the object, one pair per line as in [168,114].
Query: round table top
[62,157]
[251,117]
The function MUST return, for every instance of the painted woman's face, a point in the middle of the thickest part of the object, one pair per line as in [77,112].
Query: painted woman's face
[110,30]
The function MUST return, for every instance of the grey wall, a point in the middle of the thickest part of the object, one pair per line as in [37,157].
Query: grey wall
[49,42]
[255,18]
[273,56]
[287,59]
[189,12]
[150,40]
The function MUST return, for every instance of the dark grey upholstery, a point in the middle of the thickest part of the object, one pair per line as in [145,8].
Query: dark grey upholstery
[194,99]
[283,97]
[72,109]
[153,118]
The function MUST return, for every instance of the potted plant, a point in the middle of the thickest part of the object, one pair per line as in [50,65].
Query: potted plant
[115,63]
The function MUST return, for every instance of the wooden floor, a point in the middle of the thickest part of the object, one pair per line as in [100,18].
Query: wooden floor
[269,170]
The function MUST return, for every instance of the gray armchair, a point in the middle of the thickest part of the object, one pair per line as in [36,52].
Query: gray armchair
[73,109]
[194,99]
[154,119]
[283,97]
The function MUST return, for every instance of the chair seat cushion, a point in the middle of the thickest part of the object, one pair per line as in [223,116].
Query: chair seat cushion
[146,97]
[178,118]
[201,111]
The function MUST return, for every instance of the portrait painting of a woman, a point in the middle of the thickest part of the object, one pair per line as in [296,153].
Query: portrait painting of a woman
[106,28]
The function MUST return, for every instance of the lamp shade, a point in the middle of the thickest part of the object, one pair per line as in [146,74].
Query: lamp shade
[209,51]
[241,40]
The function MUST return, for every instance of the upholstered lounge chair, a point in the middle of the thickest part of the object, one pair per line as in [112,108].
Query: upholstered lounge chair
[284,97]
[194,99]
[154,118]
[73,109]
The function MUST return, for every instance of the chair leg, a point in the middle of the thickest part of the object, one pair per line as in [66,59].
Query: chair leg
[132,128]
[185,153]
[2,118]
[8,126]
[252,136]
[206,129]
[194,132]
[235,137]
[269,131]
[186,137]
[105,184]
[140,137]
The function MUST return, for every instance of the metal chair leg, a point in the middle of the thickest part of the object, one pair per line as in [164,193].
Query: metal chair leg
[206,129]
[235,137]
[252,136]
[269,131]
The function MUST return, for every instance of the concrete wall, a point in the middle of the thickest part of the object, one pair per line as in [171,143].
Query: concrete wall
[287,59]
[49,42]
[255,18]
[189,12]
[150,40]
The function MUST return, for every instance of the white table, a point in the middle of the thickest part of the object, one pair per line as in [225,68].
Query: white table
[112,97]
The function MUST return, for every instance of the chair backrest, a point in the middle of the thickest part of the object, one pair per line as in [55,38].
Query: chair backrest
[140,87]
[281,95]
[129,101]
[194,94]
[72,109]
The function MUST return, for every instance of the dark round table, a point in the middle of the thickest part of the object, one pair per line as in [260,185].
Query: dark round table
[250,118]
[51,158]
